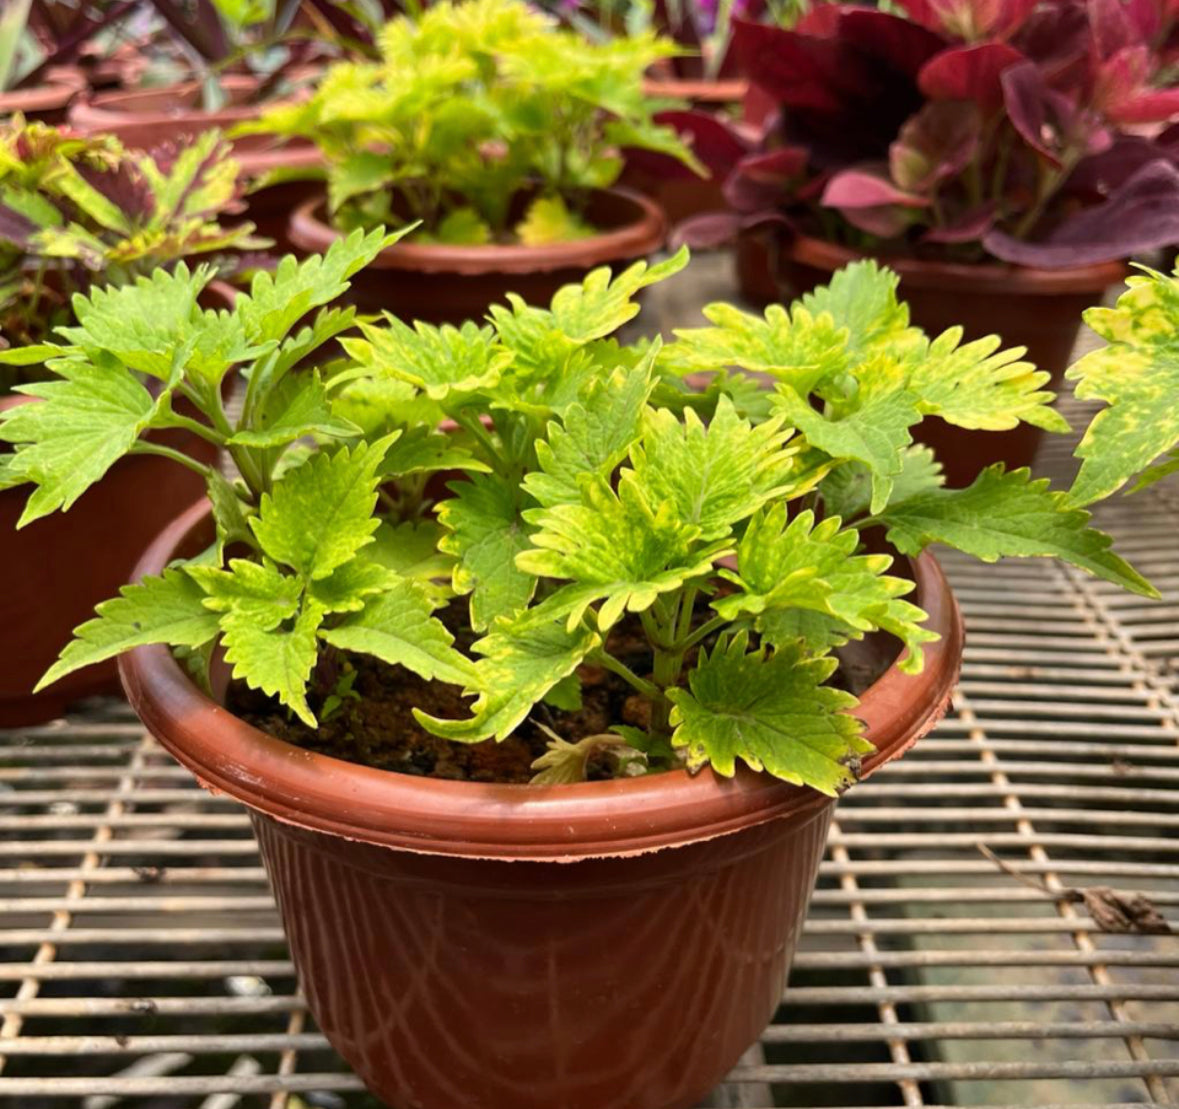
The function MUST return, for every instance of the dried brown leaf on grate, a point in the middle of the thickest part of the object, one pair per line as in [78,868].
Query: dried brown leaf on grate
[1112,910]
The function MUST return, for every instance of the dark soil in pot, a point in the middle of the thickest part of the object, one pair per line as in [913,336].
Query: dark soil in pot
[373,724]
[449,284]
[606,945]
[1037,309]
[57,569]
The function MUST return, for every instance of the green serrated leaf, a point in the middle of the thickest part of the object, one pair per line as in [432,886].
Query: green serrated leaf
[349,587]
[814,567]
[462,227]
[614,547]
[548,220]
[485,534]
[397,626]
[277,660]
[1008,515]
[862,297]
[797,349]
[84,423]
[594,435]
[411,549]
[421,450]
[714,476]
[770,711]
[148,325]
[847,489]
[519,666]
[166,609]
[296,407]
[977,385]
[875,432]
[256,592]
[276,302]
[1137,376]
[441,361]
[337,490]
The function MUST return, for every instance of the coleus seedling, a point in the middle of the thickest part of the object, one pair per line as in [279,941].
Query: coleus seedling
[475,108]
[965,129]
[81,211]
[587,491]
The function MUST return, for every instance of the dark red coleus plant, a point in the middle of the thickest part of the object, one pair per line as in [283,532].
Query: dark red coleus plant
[1025,130]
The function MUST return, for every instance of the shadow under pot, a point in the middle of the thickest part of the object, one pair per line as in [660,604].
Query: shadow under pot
[1038,309]
[59,567]
[603,945]
[441,283]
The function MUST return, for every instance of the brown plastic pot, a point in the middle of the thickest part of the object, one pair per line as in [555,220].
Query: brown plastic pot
[145,118]
[57,569]
[1035,308]
[46,102]
[449,284]
[608,945]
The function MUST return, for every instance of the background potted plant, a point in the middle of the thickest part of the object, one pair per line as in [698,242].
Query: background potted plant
[659,585]
[500,132]
[41,42]
[209,65]
[75,212]
[995,155]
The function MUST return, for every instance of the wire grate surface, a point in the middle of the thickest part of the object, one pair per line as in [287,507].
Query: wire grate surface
[141,960]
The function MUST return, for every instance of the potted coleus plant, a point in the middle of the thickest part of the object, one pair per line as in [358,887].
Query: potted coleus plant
[210,65]
[76,213]
[1000,158]
[499,131]
[693,618]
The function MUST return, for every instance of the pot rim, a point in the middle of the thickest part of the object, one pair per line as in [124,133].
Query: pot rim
[110,108]
[48,96]
[728,90]
[638,237]
[564,823]
[997,277]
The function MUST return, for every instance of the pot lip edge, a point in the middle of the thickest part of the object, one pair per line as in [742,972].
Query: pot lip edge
[463,818]
[638,238]
[1031,280]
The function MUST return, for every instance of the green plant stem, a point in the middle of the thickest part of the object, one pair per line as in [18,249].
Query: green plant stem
[144,447]
[704,631]
[641,685]
[197,428]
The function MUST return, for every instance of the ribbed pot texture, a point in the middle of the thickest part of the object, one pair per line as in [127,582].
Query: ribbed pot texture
[607,945]
[1033,308]
[440,283]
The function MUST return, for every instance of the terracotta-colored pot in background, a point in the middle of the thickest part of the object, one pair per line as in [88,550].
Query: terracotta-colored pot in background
[607,945]
[145,118]
[1034,308]
[448,284]
[57,569]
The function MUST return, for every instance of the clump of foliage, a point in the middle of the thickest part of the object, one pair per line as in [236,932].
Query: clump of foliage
[76,212]
[969,129]
[588,489]
[474,109]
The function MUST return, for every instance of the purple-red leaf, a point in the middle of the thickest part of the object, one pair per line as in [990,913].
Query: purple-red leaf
[706,231]
[935,145]
[889,40]
[857,188]
[765,180]
[970,227]
[969,73]
[15,228]
[717,143]
[1141,215]
[1041,116]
